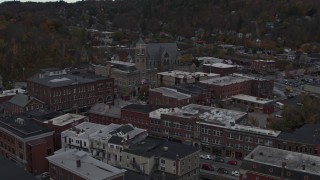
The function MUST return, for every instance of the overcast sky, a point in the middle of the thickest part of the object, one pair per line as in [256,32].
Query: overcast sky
[69,1]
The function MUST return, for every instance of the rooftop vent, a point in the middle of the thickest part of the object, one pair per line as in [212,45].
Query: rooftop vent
[261,153]
[303,167]
[165,148]
[252,156]
[313,164]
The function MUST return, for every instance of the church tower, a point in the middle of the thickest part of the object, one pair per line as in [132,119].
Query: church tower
[141,56]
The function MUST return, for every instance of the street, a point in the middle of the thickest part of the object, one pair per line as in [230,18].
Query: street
[214,174]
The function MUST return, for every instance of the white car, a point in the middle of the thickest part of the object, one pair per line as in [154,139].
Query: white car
[208,157]
[235,173]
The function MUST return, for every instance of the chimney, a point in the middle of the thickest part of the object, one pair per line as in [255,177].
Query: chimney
[303,167]
[251,156]
[17,91]
[78,163]
[29,98]
[282,170]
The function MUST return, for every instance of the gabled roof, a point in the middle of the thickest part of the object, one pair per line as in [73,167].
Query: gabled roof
[22,100]
[156,51]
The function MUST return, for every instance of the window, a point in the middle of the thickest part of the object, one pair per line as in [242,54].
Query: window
[163,161]
[163,168]
[174,164]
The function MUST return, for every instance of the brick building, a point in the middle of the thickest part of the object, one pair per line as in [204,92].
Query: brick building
[26,143]
[6,95]
[71,91]
[21,103]
[266,163]
[138,115]
[305,139]
[263,66]
[224,87]
[161,159]
[79,165]
[180,95]
[171,78]
[215,130]
[255,103]
[106,114]
[219,68]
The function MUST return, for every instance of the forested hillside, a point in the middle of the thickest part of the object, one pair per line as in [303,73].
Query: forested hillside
[38,35]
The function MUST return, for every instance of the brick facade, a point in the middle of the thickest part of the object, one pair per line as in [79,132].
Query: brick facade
[82,92]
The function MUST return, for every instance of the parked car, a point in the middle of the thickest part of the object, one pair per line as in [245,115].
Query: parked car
[207,156]
[222,171]
[235,173]
[218,159]
[207,167]
[233,162]
[45,176]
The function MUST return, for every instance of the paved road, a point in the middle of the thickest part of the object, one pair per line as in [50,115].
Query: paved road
[218,165]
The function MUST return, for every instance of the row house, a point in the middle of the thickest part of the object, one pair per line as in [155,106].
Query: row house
[71,91]
[277,164]
[305,139]
[159,158]
[79,165]
[219,68]
[21,103]
[215,130]
[180,95]
[104,142]
[26,143]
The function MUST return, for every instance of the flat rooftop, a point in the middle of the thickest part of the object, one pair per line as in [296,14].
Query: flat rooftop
[294,160]
[106,110]
[222,117]
[173,93]
[155,147]
[251,99]
[189,75]
[65,119]
[90,168]
[23,128]
[267,61]
[225,80]
[141,108]
[308,133]
[66,80]
[83,130]
[12,92]
[220,65]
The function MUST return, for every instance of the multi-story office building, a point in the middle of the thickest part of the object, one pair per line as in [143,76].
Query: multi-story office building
[26,143]
[215,130]
[71,91]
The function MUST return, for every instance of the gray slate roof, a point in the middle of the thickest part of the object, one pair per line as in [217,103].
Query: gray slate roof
[156,51]
[22,100]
